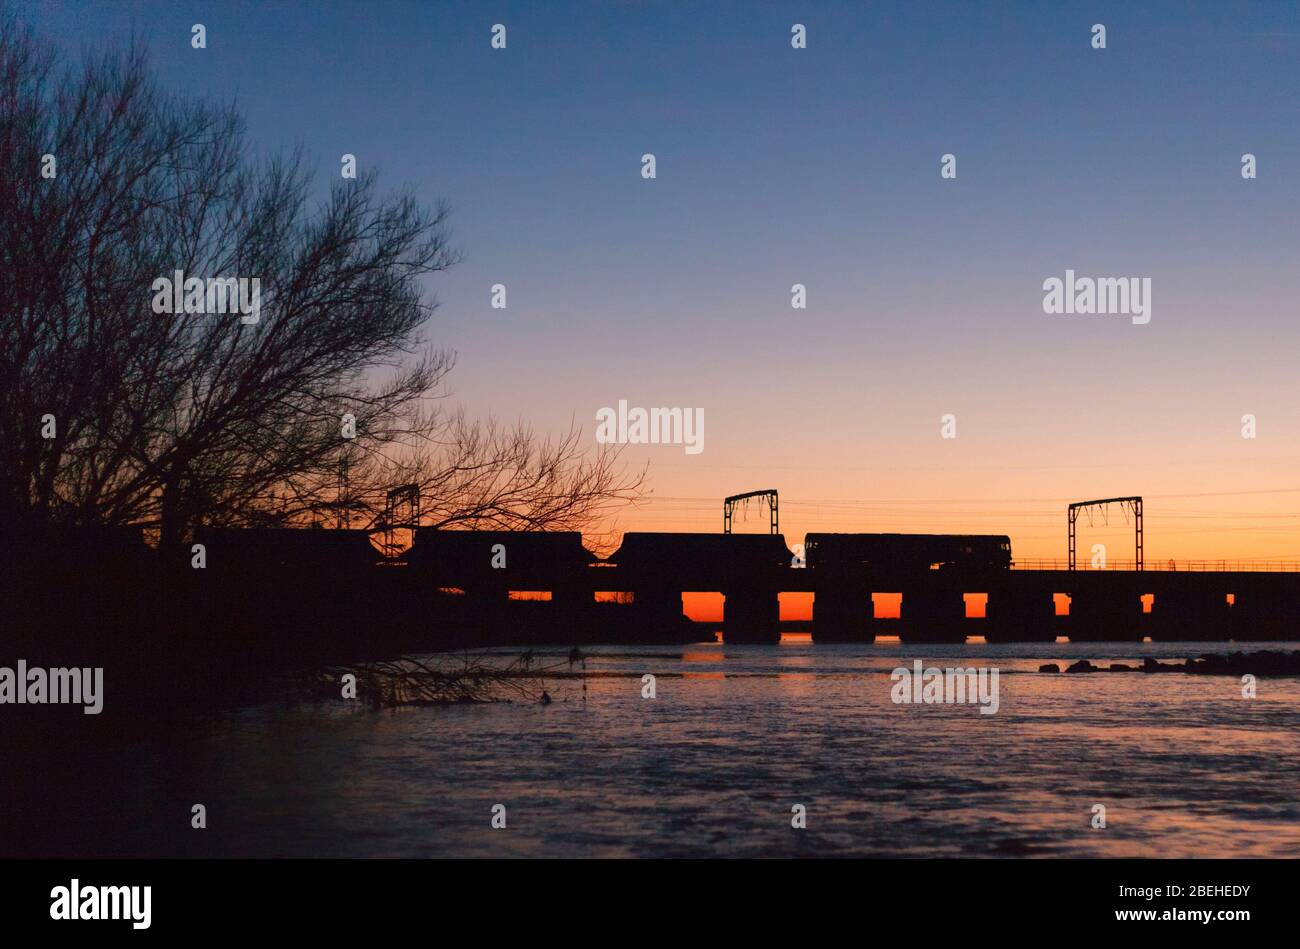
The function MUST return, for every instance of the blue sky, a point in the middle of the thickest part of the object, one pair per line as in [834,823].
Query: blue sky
[821,166]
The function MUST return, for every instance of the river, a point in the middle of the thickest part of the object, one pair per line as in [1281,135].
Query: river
[734,739]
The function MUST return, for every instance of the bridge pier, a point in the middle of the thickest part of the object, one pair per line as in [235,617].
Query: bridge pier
[1190,614]
[1264,611]
[1020,616]
[656,615]
[843,614]
[1110,612]
[751,616]
[573,599]
[485,609]
[933,613]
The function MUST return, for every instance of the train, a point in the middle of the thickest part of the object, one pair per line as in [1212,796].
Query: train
[909,552]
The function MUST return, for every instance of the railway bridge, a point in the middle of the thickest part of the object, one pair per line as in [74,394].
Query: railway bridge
[1025,602]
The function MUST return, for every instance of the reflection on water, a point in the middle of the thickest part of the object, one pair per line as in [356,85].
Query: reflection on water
[735,736]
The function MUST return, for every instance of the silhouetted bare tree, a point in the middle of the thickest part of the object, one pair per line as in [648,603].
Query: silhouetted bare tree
[113,413]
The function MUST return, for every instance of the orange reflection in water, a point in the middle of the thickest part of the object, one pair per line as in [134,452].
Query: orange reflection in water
[703,656]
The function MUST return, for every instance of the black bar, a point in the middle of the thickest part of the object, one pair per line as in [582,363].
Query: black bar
[954,899]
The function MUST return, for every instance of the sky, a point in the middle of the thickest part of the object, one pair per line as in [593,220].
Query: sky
[821,166]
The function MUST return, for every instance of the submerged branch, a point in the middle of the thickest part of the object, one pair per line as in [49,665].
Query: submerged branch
[440,680]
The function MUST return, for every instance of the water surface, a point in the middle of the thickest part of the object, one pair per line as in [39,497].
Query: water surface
[737,735]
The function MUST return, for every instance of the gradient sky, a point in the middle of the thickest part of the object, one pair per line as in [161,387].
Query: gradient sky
[821,166]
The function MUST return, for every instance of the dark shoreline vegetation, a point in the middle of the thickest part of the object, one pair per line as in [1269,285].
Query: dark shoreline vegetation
[120,419]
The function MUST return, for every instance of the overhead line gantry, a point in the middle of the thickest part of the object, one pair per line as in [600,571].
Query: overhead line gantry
[729,504]
[1133,504]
